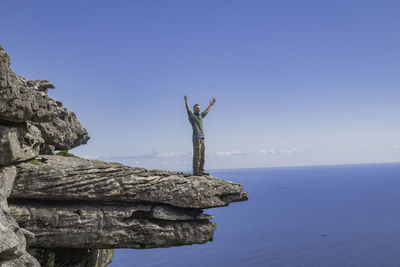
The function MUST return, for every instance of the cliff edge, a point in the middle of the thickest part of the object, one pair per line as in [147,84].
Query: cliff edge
[69,211]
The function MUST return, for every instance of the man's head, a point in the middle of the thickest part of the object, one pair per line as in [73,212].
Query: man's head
[196,108]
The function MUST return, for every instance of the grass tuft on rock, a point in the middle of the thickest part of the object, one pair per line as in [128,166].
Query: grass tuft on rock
[65,153]
[35,162]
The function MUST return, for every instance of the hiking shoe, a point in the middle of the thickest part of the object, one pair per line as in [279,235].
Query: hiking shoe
[197,174]
[205,173]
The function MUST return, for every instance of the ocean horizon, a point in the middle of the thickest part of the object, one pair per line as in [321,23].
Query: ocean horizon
[335,215]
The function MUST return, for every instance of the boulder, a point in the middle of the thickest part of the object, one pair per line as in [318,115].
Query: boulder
[7,177]
[25,260]
[19,142]
[64,131]
[12,241]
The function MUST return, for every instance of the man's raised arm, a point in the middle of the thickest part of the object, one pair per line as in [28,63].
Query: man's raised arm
[187,105]
[212,102]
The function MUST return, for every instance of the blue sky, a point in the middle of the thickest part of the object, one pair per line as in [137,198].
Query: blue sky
[295,82]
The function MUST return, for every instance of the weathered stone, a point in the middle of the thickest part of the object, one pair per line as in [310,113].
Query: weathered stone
[79,203]
[22,100]
[102,225]
[174,214]
[29,236]
[7,177]
[99,257]
[12,241]
[64,131]
[41,85]
[70,178]
[12,238]
[18,143]
[25,260]
[46,149]
[26,100]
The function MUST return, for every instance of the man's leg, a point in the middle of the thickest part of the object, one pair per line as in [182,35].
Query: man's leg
[202,152]
[196,155]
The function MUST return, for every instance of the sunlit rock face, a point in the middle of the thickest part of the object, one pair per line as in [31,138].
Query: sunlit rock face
[22,100]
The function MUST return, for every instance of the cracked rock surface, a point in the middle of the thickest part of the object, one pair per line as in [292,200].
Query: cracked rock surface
[74,178]
[80,203]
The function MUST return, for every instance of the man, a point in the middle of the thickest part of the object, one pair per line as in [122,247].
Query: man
[196,120]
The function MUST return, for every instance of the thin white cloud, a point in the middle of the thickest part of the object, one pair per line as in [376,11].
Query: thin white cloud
[273,151]
[165,154]
[91,157]
[187,154]
[263,151]
[396,147]
[349,150]
[170,154]
[152,155]
[229,153]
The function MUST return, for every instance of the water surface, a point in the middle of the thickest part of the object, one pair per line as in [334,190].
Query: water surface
[297,216]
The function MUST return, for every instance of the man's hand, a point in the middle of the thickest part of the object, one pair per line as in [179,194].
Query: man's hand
[186,104]
[212,101]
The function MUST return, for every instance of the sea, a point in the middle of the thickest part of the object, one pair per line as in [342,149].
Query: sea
[341,215]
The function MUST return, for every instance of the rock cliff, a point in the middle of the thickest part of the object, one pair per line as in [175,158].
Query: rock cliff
[69,211]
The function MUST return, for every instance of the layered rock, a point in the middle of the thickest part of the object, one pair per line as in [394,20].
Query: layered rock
[73,178]
[12,241]
[107,226]
[24,103]
[80,203]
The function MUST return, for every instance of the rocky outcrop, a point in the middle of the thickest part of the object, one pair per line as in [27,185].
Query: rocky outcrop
[19,142]
[24,105]
[108,226]
[89,204]
[22,100]
[74,178]
[69,211]
[12,241]
[95,204]
[64,131]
